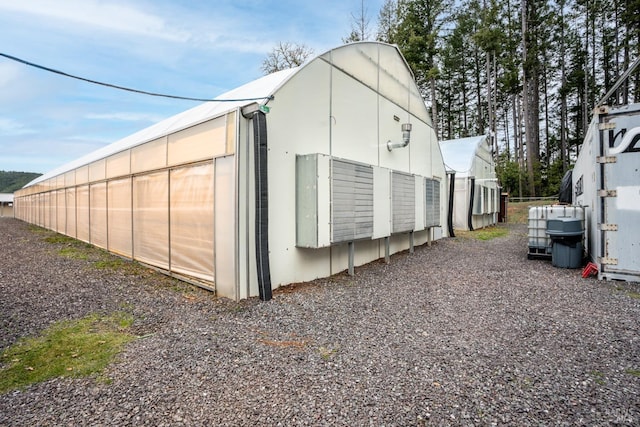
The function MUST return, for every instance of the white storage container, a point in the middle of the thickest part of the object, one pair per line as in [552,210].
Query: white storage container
[539,241]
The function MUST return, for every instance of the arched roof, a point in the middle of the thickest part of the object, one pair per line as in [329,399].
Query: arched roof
[458,154]
[379,66]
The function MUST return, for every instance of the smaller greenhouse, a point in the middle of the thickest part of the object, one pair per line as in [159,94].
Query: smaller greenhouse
[6,205]
[476,197]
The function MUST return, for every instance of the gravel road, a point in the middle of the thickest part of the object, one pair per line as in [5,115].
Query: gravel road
[464,332]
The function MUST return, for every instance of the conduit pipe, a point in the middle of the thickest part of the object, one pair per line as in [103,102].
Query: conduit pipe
[406,137]
[472,195]
[452,188]
[259,118]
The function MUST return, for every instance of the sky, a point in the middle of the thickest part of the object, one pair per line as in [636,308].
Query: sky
[191,48]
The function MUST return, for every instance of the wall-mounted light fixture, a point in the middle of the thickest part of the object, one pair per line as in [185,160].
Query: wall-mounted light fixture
[406,136]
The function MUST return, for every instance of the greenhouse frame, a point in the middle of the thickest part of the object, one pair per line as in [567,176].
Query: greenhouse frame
[297,175]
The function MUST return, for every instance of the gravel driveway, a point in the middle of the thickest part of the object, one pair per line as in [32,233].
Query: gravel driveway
[464,332]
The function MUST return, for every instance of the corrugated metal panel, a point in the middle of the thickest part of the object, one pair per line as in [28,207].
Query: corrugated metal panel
[403,202]
[352,201]
[432,201]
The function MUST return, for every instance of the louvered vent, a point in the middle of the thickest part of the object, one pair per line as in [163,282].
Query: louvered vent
[352,201]
[432,202]
[403,202]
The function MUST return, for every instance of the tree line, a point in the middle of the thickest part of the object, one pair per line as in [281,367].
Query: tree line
[526,72]
[11,181]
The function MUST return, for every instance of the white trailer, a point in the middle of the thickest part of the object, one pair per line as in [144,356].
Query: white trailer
[606,182]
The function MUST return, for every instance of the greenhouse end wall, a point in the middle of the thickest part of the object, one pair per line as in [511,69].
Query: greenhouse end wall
[157,202]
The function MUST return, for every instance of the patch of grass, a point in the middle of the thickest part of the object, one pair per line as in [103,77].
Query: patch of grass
[37,229]
[75,348]
[518,212]
[326,353]
[73,253]
[634,372]
[111,263]
[598,377]
[487,233]
[492,233]
[634,295]
[60,239]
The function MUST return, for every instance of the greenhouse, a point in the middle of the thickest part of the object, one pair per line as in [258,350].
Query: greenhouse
[476,196]
[300,174]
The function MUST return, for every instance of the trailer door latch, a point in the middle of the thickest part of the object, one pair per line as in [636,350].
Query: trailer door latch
[607,193]
[606,159]
[608,227]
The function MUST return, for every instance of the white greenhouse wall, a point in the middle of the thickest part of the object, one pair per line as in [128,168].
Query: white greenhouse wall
[358,122]
[181,195]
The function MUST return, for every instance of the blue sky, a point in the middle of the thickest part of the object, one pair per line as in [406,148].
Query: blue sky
[193,48]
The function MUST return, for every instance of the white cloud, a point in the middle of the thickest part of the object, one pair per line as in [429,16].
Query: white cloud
[11,127]
[9,72]
[110,16]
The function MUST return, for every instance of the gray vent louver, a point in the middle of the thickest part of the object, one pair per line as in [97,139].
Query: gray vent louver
[403,195]
[352,201]
[432,202]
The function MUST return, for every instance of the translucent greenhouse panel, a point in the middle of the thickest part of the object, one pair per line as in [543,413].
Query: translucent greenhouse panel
[119,164]
[98,214]
[38,200]
[33,206]
[363,66]
[192,221]
[97,170]
[53,210]
[203,141]
[29,209]
[394,83]
[417,106]
[70,196]
[225,227]
[119,216]
[45,211]
[69,179]
[82,175]
[151,218]
[231,132]
[82,213]
[61,212]
[149,156]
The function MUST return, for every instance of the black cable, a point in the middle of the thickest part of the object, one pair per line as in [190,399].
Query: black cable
[62,73]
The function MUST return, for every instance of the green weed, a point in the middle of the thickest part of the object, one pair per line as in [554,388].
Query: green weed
[75,348]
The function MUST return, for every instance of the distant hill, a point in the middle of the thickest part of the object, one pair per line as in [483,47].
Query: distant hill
[11,181]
